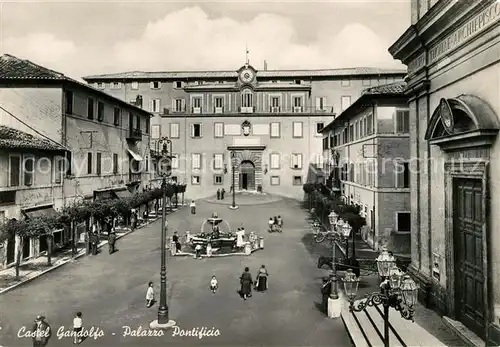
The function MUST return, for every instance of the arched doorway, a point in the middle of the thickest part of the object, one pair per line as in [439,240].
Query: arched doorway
[247,175]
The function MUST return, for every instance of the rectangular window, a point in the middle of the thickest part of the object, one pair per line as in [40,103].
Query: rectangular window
[90,108]
[402,175]
[320,103]
[68,102]
[197,102]
[115,163]
[218,161]
[346,83]
[275,161]
[319,127]
[297,180]
[177,84]
[100,85]
[275,180]
[298,81]
[296,161]
[196,161]
[155,131]
[351,132]
[195,180]
[89,163]
[14,170]
[155,105]
[369,124]
[219,102]
[297,101]
[175,161]
[218,179]
[196,130]
[403,221]
[275,130]
[148,125]
[218,130]
[174,130]
[58,169]
[178,105]
[100,111]
[138,122]
[116,116]
[275,103]
[134,85]
[155,85]
[402,122]
[345,102]
[115,85]
[28,170]
[297,129]
[98,164]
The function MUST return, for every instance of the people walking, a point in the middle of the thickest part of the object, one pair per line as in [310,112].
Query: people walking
[280,223]
[112,241]
[271,224]
[41,332]
[77,328]
[246,284]
[326,290]
[222,192]
[193,207]
[197,250]
[218,194]
[94,241]
[261,279]
[214,284]
[150,295]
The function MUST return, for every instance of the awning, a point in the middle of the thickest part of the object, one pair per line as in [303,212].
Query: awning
[104,195]
[47,210]
[135,155]
[122,193]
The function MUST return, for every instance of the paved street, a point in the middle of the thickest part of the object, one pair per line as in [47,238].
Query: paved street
[110,290]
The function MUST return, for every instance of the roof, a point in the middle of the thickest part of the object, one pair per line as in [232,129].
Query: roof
[355,71]
[13,139]
[395,89]
[15,69]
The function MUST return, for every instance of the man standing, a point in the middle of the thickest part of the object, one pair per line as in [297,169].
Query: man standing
[326,290]
[94,239]
[112,241]
[193,207]
[41,332]
[218,194]
[222,192]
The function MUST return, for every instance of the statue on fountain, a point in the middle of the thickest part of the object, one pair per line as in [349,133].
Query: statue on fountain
[214,236]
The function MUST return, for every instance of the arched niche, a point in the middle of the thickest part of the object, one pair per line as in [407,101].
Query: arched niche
[462,122]
[247,98]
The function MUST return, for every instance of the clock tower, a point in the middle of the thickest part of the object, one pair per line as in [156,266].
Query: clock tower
[247,74]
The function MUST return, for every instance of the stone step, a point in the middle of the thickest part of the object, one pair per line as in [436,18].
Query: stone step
[360,329]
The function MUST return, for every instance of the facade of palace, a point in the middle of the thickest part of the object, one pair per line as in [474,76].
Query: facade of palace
[62,141]
[367,152]
[268,120]
[452,50]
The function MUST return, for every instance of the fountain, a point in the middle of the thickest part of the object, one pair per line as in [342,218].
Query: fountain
[215,239]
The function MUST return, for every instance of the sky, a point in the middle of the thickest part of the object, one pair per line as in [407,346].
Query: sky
[80,38]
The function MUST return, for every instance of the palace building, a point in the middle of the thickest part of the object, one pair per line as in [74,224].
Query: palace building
[452,50]
[267,119]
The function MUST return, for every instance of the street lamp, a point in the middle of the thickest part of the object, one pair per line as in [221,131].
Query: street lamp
[234,162]
[165,170]
[398,291]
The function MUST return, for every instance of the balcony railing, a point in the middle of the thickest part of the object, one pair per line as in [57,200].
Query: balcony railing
[134,177]
[259,110]
[134,135]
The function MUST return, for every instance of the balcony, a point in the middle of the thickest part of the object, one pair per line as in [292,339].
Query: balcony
[134,135]
[247,109]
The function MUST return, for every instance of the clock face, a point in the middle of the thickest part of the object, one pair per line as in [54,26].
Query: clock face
[246,75]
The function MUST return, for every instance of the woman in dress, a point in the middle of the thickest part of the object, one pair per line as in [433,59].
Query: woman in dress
[246,284]
[240,241]
[261,280]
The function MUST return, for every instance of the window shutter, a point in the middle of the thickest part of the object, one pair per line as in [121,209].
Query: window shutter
[318,103]
[159,84]
[173,105]
[299,160]
[183,105]
[201,130]
[192,130]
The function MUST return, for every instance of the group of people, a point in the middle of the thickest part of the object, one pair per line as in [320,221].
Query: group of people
[275,224]
[42,331]
[246,282]
[220,194]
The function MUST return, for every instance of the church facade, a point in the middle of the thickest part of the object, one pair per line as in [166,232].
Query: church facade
[452,50]
[262,125]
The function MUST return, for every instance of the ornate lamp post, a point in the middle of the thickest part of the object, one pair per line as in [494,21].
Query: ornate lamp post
[234,162]
[165,170]
[398,291]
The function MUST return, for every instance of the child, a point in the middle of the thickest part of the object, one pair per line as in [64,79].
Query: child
[77,328]
[150,295]
[214,285]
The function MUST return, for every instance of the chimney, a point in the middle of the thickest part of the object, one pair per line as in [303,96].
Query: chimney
[265,65]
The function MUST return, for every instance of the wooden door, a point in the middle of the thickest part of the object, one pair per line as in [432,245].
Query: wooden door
[468,250]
